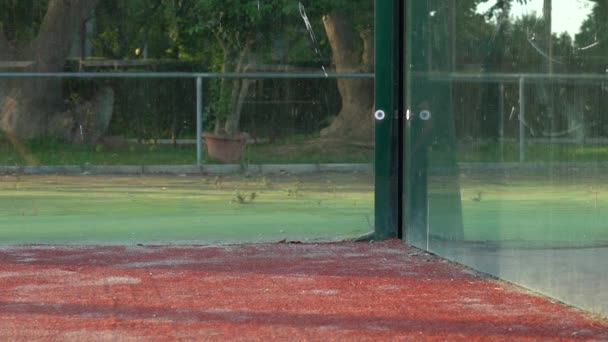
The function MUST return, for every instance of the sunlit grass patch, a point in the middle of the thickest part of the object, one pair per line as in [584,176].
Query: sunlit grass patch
[184,209]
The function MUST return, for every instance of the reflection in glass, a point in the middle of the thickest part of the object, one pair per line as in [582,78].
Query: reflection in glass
[508,173]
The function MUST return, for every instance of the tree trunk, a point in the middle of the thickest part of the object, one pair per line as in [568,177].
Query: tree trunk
[39,107]
[234,61]
[355,120]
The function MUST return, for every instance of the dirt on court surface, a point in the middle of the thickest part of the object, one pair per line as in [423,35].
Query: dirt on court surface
[320,292]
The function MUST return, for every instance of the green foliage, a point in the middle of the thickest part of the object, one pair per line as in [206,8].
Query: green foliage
[235,25]
[20,20]
[592,41]
[234,34]
[497,42]
[220,106]
[240,28]
[153,27]
[228,18]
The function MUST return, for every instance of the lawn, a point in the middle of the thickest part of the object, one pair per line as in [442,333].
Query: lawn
[178,209]
[295,150]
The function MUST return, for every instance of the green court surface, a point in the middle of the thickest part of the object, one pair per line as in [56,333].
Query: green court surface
[184,209]
[526,211]
[519,211]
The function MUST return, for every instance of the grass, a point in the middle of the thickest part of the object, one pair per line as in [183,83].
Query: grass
[296,150]
[57,153]
[293,150]
[108,210]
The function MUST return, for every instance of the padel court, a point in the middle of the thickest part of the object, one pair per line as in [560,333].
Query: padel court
[482,216]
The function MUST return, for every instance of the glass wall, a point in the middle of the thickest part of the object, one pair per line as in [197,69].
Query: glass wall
[507,141]
[102,103]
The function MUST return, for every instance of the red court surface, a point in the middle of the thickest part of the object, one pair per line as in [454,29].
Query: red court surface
[319,292]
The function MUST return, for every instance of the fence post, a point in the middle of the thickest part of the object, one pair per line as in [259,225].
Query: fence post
[501,113]
[522,118]
[199,122]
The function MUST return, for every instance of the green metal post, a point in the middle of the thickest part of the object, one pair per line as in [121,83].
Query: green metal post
[199,122]
[387,175]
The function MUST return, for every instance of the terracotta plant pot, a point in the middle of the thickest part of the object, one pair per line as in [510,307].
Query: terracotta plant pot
[225,148]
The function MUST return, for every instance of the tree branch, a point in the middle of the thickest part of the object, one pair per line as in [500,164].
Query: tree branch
[221,42]
[245,52]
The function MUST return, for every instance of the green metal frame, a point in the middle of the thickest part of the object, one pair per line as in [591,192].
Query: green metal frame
[388,95]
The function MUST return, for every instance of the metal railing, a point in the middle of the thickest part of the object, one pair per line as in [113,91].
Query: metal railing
[522,80]
[197,77]
[511,77]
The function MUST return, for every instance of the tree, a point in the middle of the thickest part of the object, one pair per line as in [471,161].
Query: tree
[591,49]
[592,41]
[42,44]
[348,26]
[239,29]
[354,120]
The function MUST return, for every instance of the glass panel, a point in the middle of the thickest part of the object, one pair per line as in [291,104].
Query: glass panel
[506,142]
[109,153]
